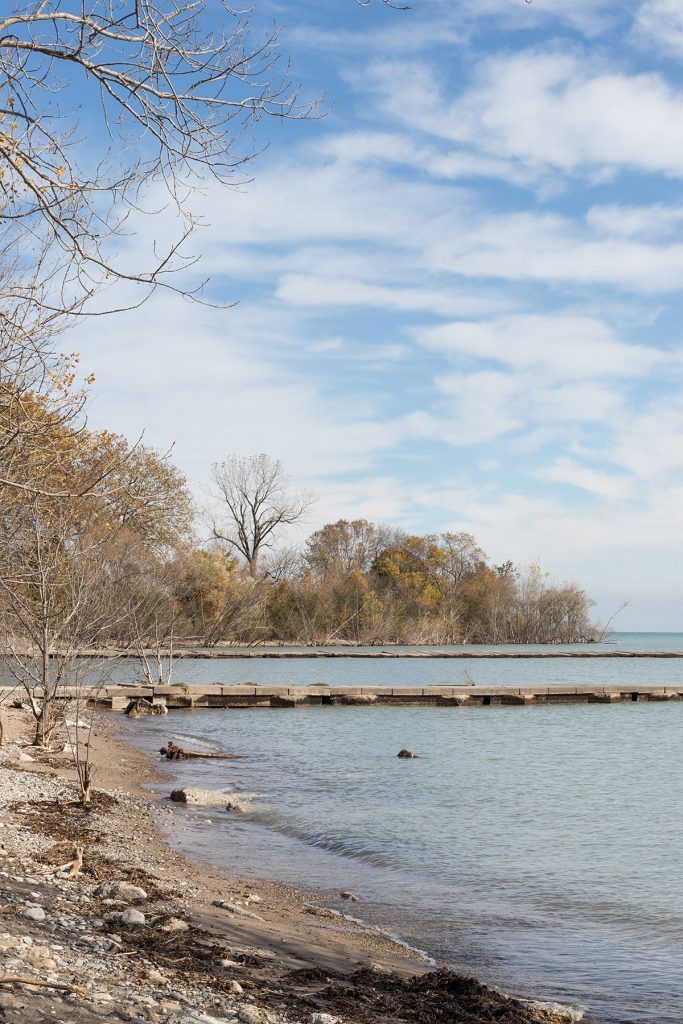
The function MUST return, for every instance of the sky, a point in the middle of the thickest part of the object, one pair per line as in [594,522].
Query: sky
[454,301]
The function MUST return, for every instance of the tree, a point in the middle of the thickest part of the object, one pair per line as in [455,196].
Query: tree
[54,600]
[170,95]
[257,502]
[341,547]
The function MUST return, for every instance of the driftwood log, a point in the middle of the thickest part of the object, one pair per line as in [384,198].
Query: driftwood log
[174,753]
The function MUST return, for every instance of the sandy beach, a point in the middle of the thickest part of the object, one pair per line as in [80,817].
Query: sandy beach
[144,934]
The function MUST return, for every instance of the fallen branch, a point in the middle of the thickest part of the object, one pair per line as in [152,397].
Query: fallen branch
[174,753]
[60,986]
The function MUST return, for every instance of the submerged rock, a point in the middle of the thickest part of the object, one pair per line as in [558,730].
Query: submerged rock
[406,753]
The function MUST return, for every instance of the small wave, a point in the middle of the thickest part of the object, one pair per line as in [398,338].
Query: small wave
[373,929]
[197,742]
[340,845]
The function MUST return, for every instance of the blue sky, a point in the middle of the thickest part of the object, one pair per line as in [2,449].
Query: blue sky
[459,292]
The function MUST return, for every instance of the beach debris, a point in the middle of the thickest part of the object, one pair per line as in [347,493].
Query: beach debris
[140,707]
[72,867]
[235,908]
[58,985]
[406,753]
[173,925]
[172,752]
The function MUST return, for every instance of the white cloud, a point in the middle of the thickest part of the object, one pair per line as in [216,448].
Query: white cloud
[655,222]
[649,442]
[314,290]
[556,250]
[547,111]
[595,481]
[661,22]
[565,346]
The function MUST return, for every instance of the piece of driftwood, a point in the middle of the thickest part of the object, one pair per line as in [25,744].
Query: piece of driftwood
[174,753]
[60,986]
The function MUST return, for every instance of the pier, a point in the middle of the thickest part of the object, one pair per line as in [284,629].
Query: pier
[241,696]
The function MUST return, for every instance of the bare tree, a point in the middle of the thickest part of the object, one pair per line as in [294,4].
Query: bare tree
[53,590]
[173,93]
[257,502]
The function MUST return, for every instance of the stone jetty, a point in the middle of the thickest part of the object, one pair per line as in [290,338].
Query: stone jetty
[248,695]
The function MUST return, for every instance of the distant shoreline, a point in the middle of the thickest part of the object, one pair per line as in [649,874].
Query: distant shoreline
[218,654]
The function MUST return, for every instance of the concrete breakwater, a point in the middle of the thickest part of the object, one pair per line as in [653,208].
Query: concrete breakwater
[118,698]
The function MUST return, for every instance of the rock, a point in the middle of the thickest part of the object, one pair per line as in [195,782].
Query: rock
[132,916]
[11,1002]
[35,914]
[553,1013]
[324,1018]
[252,1015]
[198,797]
[349,896]
[406,753]
[156,977]
[234,987]
[174,924]
[120,890]
[140,706]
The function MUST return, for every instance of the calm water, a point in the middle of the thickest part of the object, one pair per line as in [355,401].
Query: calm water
[539,848]
[435,672]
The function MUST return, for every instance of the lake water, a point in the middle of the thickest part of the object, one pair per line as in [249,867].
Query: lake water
[538,848]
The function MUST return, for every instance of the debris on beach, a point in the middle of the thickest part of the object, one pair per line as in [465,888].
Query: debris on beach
[172,752]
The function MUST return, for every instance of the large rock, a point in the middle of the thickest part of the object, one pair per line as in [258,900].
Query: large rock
[35,914]
[132,916]
[198,797]
[120,891]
